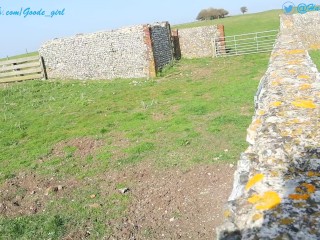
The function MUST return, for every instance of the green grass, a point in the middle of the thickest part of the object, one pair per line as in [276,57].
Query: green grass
[240,24]
[197,112]
[20,56]
[197,102]
[193,113]
[315,56]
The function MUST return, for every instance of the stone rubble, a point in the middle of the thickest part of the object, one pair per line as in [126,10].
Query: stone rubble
[276,193]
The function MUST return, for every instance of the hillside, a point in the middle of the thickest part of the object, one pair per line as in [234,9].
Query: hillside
[239,24]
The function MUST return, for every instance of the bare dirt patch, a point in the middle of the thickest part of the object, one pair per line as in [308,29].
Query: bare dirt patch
[159,116]
[165,204]
[83,147]
[27,194]
[174,204]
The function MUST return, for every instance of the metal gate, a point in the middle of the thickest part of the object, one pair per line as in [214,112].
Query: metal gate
[248,43]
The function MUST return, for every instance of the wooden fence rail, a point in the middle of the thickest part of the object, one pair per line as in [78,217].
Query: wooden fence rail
[21,69]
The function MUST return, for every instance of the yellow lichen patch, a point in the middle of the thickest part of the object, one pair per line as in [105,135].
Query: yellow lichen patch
[304,77]
[256,123]
[297,132]
[315,46]
[286,221]
[299,196]
[313,174]
[284,133]
[275,54]
[305,86]
[274,174]
[293,121]
[254,198]
[295,62]
[261,112]
[275,83]
[268,201]
[295,51]
[255,179]
[256,217]
[292,71]
[304,104]
[276,104]
[227,213]
[310,188]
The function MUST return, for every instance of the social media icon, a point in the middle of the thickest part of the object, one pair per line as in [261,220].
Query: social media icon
[288,7]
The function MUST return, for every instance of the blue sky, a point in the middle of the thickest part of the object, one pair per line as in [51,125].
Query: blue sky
[19,33]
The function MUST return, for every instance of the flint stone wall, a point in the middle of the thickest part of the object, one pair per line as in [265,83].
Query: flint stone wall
[161,44]
[132,52]
[197,42]
[307,26]
[120,53]
[276,193]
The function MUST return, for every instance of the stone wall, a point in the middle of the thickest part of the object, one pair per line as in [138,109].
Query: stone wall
[132,52]
[197,42]
[307,26]
[276,193]
[162,44]
[102,55]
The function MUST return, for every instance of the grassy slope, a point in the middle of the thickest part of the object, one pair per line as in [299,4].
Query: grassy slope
[239,24]
[315,55]
[191,115]
[20,56]
[199,98]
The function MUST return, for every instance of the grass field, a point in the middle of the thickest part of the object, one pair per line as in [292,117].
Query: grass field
[240,24]
[180,112]
[315,55]
[195,113]
[20,56]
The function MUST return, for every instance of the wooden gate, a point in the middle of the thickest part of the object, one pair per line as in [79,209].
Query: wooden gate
[20,69]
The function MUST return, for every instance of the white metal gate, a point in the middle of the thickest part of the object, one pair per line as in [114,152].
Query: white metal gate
[248,43]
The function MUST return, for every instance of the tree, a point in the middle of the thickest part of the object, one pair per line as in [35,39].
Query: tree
[211,13]
[222,13]
[203,15]
[244,10]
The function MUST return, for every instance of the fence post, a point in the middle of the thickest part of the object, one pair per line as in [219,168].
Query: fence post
[235,44]
[214,48]
[43,67]
[257,42]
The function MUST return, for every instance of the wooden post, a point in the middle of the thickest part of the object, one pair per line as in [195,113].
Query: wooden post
[43,67]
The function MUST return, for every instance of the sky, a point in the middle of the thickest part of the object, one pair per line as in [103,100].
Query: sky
[21,34]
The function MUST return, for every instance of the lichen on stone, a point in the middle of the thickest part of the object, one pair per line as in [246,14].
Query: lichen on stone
[281,199]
